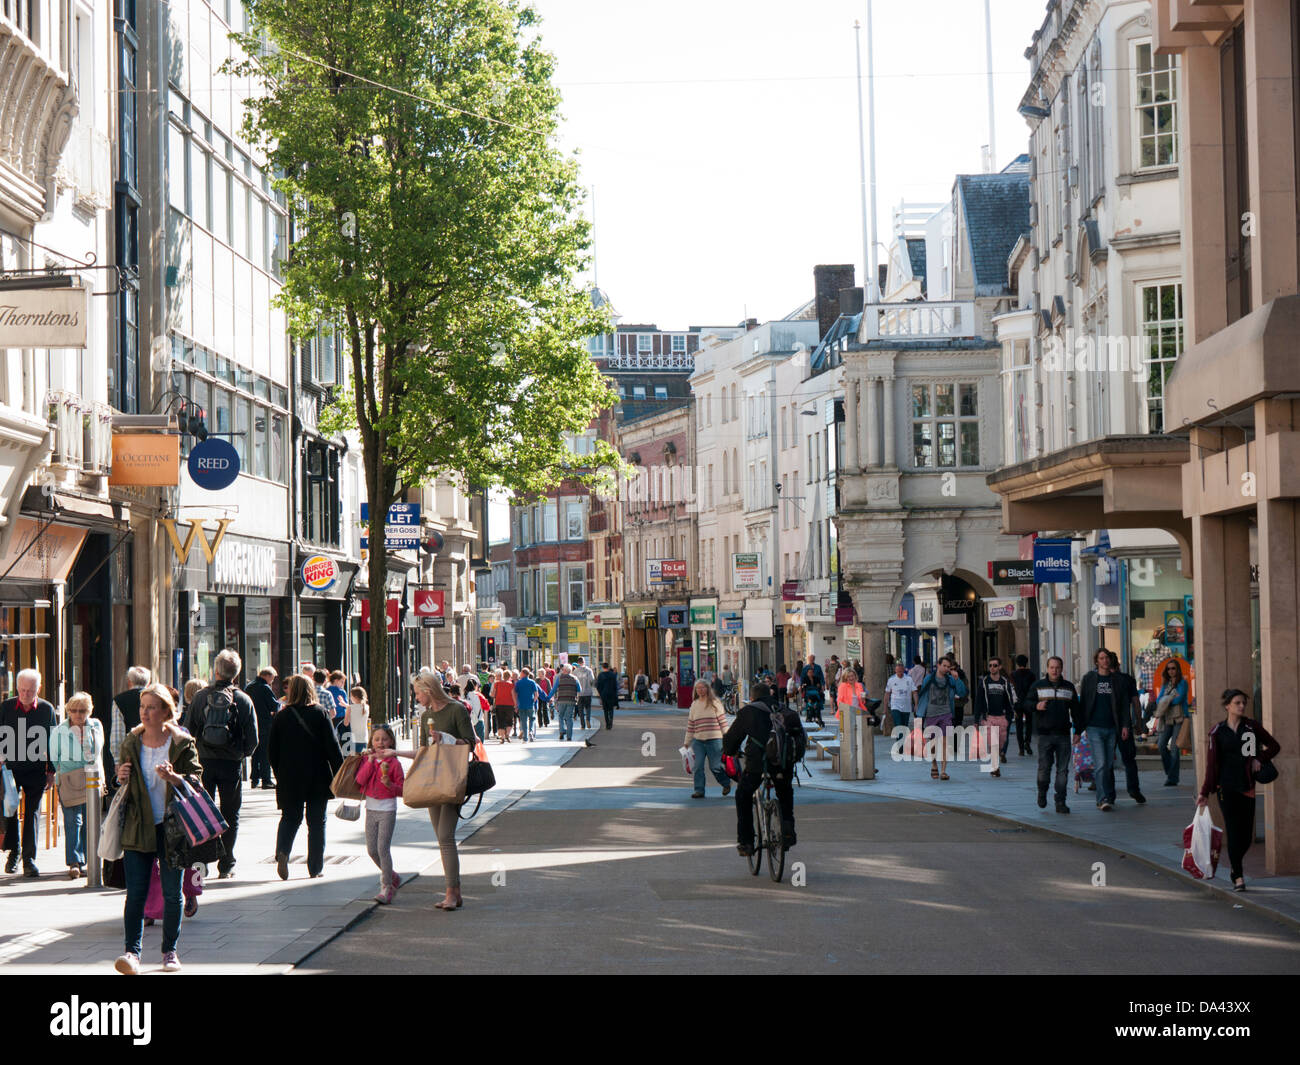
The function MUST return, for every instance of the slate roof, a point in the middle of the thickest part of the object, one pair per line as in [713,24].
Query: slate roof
[846,325]
[996,210]
[916,253]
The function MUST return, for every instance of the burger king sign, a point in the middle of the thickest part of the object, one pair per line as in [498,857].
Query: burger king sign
[319,572]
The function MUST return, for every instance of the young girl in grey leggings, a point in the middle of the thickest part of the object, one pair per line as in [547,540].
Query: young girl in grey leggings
[380,780]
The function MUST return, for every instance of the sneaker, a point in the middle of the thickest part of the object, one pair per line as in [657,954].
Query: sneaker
[745,849]
[384,897]
[282,865]
[1042,802]
[1061,808]
[11,863]
[1168,784]
[1107,807]
[726,789]
[396,882]
[788,837]
[1137,797]
[226,874]
[171,962]
[128,964]
[996,773]
[697,795]
[30,871]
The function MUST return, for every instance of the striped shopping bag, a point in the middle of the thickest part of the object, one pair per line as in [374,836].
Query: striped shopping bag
[198,814]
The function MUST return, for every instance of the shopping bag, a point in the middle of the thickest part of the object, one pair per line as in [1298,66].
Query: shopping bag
[1184,741]
[198,814]
[344,784]
[11,794]
[1202,840]
[437,776]
[688,760]
[1082,758]
[110,832]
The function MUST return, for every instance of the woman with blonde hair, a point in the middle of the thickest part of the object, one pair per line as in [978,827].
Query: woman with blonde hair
[75,746]
[444,720]
[706,724]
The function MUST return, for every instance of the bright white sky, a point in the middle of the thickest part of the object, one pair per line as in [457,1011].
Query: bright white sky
[721,136]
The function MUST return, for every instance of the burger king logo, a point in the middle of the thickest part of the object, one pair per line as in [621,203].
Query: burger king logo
[319,573]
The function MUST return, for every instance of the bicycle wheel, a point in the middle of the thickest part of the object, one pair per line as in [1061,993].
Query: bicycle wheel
[774,839]
[755,860]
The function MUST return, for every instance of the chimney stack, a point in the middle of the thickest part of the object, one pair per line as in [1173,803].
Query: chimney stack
[828,282]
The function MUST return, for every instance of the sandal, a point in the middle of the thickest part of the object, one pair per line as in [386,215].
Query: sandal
[934,772]
[943,776]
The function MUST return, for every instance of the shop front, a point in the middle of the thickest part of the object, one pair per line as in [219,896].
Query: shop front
[731,637]
[760,639]
[240,600]
[323,583]
[604,636]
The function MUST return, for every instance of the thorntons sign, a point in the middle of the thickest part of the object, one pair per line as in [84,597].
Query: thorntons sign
[44,317]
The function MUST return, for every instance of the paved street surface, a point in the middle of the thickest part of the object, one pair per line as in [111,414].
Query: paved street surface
[608,866]
[254,922]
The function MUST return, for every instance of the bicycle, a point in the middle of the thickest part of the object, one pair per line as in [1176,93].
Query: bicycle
[731,698]
[768,834]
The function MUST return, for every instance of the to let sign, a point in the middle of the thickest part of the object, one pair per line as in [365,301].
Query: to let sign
[44,318]
[401,526]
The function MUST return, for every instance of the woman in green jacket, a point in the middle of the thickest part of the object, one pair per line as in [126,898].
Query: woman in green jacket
[442,717]
[156,754]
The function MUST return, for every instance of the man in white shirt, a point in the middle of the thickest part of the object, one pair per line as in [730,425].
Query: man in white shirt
[901,690]
[586,685]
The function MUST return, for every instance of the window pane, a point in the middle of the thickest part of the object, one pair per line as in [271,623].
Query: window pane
[221,413]
[969,407]
[947,444]
[243,426]
[970,443]
[922,449]
[277,448]
[220,203]
[943,401]
[199,185]
[176,168]
[262,451]
[920,401]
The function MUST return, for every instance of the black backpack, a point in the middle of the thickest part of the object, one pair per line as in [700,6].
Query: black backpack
[221,721]
[781,749]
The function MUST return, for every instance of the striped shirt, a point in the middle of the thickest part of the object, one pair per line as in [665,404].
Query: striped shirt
[706,721]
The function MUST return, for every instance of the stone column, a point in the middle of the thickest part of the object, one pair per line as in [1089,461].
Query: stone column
[872,425]
[850,423]
[1205,252]
[891,444]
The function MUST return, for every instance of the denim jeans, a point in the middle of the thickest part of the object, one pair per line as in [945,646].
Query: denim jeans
[901,717]
[1102,742]
[74,835]
[584,710]
[528,723]
[1169,753]
[1053,747]
[137,868]
[710,751]
[32,786]
[565,711]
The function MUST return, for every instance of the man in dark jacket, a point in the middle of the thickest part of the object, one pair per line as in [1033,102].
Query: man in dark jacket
[1055,702]
[607,688]
[261,692]
[749,733]
[224,726]
[995,701]
[1105,717]
[123,716]
[1128,699]
[1023,678]
[26,724]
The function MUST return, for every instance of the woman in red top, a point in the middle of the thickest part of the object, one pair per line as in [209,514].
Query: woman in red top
[503,706]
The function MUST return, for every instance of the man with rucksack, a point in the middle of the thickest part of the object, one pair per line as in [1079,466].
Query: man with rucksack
[765,734]
[224,725]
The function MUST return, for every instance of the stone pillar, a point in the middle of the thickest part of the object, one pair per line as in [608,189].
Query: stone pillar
[891,444]
[850,423]
[872,426]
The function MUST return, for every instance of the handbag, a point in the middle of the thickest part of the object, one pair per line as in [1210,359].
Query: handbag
[178,851]
[479,779]
[344,784]
[1263,772]
[199,816]
[110,832]
[437,777]
[72,787]
[1185,735]
[348,811]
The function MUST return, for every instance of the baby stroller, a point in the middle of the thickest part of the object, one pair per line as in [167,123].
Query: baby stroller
[1082,759]
[813,701]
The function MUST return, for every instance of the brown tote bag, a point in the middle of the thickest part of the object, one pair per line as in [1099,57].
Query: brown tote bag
[344,784]
[437,776]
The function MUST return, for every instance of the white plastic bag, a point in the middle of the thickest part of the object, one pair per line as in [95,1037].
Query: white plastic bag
[1201,844]
[11,794]
[688,760]
[110,832]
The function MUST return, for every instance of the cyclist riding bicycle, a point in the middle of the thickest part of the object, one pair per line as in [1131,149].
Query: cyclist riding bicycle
[749,733]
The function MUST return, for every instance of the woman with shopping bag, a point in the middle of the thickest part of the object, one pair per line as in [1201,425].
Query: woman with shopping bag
[437,780]
[706,724]
[1171,708]
[156,755]
[1238,755]
[75,747]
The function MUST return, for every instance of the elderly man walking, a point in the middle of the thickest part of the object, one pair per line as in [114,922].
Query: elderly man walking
[30,721]
[565,694]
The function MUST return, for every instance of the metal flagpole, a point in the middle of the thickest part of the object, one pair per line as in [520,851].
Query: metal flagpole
[862,163]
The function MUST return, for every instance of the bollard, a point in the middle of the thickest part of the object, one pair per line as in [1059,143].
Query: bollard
[94,805]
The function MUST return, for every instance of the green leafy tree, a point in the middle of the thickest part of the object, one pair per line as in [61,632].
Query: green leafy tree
[438,225]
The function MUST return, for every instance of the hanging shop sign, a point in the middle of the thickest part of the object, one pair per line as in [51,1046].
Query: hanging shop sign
[392,617]
[731,623]
[745,571]
[1052,562]
[605,619]
[213,464]
[401,526]
[1003,609]
[704,615]
[757,623]
[672,617]
[430,605]
[146,460]
[319,572]
[44,317]
[1020,571]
